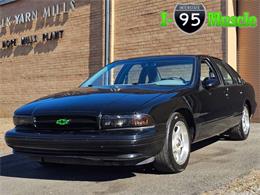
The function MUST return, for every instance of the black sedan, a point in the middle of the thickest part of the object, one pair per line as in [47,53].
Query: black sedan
[137,111]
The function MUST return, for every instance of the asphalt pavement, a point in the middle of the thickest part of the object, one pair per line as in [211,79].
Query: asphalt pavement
[213,163]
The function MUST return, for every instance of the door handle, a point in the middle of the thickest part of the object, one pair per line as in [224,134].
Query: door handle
[226,92]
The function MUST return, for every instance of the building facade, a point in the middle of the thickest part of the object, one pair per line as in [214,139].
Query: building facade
[53,45]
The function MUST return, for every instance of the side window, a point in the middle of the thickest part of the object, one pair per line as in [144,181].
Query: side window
[228,80]
[235,74]
[206,71]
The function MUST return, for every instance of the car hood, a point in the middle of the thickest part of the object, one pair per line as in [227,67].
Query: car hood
[94,100]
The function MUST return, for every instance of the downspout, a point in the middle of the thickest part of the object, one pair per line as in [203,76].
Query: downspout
[107,32]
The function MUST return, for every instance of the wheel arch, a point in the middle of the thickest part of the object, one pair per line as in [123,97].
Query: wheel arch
[247,102]
[187,114]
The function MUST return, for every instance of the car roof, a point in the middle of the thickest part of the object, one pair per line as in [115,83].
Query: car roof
[160,57]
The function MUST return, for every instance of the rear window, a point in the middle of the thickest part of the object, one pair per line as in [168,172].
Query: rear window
[227,76]
[183,70]
[235,74]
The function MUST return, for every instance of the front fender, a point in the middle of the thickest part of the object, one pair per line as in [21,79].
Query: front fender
[162,107]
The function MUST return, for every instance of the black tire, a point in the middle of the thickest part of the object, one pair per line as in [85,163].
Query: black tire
[237,132]
[165,161]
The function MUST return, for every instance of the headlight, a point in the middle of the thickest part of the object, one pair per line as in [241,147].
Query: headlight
[122,121]
[22,120]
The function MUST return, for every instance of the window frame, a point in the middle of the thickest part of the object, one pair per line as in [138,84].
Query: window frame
[212,66]
[126,73]
[222,64]
[235,74]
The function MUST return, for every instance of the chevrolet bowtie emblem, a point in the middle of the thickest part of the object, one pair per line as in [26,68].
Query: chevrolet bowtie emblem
[63,121]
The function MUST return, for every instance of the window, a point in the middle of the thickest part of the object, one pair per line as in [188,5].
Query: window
[206,72]
[235,74]
[133,74]
[183,71]
[228,80]
[114,72]
[175,71]
[3,2]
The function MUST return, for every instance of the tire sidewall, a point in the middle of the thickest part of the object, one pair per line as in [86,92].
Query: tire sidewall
[173,120]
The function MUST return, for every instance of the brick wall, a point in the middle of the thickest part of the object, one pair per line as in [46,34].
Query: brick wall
[138,31]
[29,72]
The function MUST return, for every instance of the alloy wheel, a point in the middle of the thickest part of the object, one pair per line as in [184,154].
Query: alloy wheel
[180,143]
[245,121]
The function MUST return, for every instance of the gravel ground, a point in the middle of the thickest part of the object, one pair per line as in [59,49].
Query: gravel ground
[248,184]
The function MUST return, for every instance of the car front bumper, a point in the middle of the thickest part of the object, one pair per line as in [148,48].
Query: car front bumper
[111,147]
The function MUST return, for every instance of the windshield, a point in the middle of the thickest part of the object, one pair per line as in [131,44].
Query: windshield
[176,71]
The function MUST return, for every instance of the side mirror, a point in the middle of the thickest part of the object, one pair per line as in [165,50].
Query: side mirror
[209,83]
